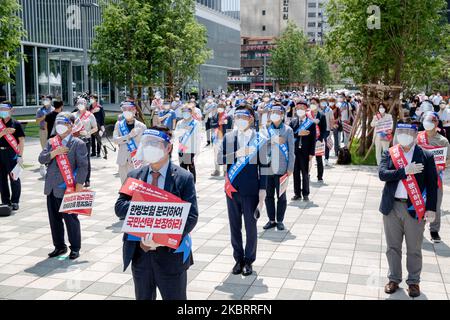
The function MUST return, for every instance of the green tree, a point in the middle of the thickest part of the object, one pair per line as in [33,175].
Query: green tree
[288,64]
[11,32]
[320,74]
[181,41]
[391,42]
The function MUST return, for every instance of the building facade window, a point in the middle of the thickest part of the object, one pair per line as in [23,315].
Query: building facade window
[311,24]
[42,56]
[312,5]
[311,14]
[17,87]
[263,28]
[3,92]
[264,12]
[30,76]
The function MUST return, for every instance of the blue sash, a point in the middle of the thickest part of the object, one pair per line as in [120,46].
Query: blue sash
[283,147]
[124,131]
[305,125]
[327,109]
[185,138]
[237,167]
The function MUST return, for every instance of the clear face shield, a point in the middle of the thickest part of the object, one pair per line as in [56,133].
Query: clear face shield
[153,147]
[63,125]
[405,136]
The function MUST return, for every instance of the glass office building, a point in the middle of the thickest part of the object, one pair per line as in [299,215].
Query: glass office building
[53,51]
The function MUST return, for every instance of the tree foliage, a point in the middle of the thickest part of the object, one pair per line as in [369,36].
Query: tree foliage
[319,70]
[11,32]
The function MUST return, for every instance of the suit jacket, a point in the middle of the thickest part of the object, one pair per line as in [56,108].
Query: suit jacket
[78,158]
[123,155]
[308,142]
[253,176]
[180,183]
[427,180]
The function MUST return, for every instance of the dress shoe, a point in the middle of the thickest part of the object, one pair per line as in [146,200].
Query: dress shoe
[57,252]
[391,287]
[295,198]
[270,225]
[216,173]
[73,255]
[435,236]
[15,206]
[237,269]
[414,290]
[87,184]
[305,198]
[93,154]
[248,270]
[280,226]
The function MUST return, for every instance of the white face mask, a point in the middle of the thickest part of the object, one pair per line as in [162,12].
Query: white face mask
[405,139]
[314,107]
[323,104]
[128,115]
[81,107]
[152,154]
[47,102]
[61,129]
[241,124]
[428,125]
[186,115]
[332,104]
[301,113]
[92,101]
[220,110]
[382,110]
[275,117]
[177,99]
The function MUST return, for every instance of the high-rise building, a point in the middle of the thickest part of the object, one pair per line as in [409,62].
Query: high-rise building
[54,61]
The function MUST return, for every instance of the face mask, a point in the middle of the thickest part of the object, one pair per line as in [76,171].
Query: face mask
[314,107]
[323,104]
[428,125]
[332,104]
[301,113]
[81,107]
[128,115]
[46,103]
[220,110]
[241,124]
[418,113]
[382,110]
[177,99]
[266,100]
[186,115]
[275,117]
[442,106]
[157,96]
[61,129]
[405,139]
[4,114]
[152,154]
[92,101]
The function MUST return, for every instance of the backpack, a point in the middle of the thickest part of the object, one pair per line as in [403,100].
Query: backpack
[344,156]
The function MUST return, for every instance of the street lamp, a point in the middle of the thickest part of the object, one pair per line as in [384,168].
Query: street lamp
[84,36]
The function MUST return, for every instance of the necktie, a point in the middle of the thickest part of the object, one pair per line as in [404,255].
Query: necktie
[300,138]
[155,176]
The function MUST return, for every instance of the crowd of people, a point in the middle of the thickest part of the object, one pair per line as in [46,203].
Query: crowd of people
[259,141]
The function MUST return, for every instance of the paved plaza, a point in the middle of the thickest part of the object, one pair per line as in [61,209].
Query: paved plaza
[332,248]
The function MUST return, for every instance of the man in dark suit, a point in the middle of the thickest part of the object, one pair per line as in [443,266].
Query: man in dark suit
[305,149]
[55,183]
[405,168]
[154,266]
[246,183]
[321,124]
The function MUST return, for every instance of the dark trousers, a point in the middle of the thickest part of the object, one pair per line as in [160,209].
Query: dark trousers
[273,184]
[56,225]
[88,146]
[337,143]
[6,166]
[237,207]
[327,150]
[187,162]
[96,143]
[301,175]
[149,275]
[319,161]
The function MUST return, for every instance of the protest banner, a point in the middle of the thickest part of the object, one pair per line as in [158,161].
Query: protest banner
[320,149]
[154,211]
[384,125]
[78,202]
[284,182]
[439,154]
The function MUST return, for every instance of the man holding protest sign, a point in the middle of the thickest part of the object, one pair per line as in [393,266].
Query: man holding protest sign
[67,160]
[127,134]
[409,199]
[12,141]
[382,122]
[438,145]
[158,189]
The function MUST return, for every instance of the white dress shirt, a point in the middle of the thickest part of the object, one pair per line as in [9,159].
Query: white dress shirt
[401,191]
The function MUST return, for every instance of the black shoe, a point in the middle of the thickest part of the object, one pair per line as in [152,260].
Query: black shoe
[207,144]
[98,155]
[73,255]
[14,206]
[280,226]
[87,184]
[57,252]
[435,236]
[320,180]
[248,270]
[93,154]
[305,198]
[295,198]
[237,269]
[270,225]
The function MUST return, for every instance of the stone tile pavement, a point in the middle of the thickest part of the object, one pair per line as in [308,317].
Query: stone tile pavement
[333,247]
